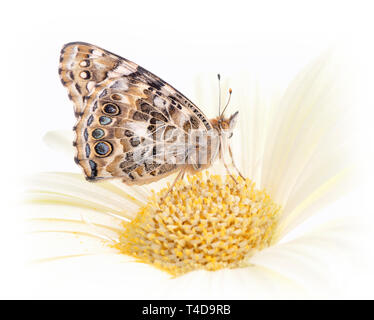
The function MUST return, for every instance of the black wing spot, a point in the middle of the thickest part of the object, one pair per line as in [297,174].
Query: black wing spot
[90,120]
[158,116]
[171,110]
[130,168]
[104,120]
[145,107]
[111,109]
[78,87]
[129,156]
[135,141]
[94,106]
[85,75]
[195,122]
[128,133]
[103,148]
[140,116]
[151,128]
[98,133]
[88,150]
[151,166]
[93,167]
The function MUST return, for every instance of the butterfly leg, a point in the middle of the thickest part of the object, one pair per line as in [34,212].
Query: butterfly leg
[233,163]
[184,171]
[228,171]
[179,176]
[224,163]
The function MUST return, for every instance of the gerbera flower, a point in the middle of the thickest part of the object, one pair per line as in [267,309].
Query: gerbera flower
[292,149]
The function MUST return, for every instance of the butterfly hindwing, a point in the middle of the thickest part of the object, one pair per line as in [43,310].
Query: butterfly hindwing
[131,124]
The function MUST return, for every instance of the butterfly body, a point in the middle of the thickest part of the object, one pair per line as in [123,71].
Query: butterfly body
[130,123]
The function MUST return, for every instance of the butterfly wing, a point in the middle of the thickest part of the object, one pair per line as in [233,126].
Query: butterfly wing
[130,123]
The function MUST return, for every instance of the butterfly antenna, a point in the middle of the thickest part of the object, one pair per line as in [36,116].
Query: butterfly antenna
[219,93]
[228,101]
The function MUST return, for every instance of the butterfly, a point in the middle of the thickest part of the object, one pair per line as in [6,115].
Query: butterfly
[133,125]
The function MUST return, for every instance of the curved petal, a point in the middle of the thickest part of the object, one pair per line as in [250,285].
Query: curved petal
[320,259]
[104,195]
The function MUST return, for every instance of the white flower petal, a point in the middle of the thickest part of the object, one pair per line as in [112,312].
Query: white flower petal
[103,195]
[61,141]
[318,259]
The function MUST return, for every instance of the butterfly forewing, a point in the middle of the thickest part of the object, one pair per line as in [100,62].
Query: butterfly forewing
[130,123]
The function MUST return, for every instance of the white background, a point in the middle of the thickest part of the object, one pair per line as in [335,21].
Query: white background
[175,40]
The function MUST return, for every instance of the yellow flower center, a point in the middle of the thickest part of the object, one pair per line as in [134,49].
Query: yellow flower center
[209,222]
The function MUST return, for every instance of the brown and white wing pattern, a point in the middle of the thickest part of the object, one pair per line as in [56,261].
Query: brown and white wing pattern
[130,123]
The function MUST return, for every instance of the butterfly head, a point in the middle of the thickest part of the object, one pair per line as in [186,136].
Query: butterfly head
[225,126]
